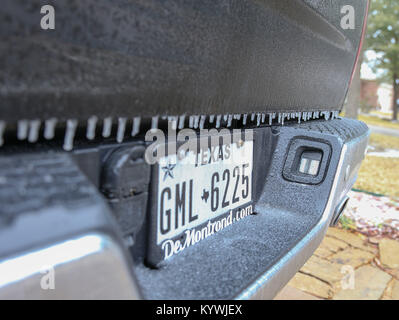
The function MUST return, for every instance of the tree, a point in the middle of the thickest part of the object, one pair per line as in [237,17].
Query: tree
[383,38]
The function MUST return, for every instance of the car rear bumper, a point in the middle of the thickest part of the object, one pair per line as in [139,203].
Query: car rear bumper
[54,202]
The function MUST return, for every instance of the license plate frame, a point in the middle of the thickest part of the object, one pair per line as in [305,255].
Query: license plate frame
[199,223]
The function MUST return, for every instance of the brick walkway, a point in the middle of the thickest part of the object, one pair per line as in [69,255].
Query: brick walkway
[348,265]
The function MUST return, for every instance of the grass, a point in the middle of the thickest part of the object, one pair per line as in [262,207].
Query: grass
[379,175]
[382,142]
[378,121]
[381,114]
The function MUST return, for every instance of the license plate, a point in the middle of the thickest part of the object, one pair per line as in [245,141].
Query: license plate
[199,195]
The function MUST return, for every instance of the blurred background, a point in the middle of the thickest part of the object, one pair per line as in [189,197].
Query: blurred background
[359,258]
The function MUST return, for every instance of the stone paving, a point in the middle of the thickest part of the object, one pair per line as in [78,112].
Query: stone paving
[348,265]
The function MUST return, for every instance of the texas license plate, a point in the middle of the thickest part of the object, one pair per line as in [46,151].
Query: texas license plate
[200,195]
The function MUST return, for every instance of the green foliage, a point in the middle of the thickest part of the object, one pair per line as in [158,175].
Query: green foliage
[347,223]
[383,35]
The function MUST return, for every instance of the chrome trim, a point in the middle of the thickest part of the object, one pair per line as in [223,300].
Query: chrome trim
[91,266]
[23,266]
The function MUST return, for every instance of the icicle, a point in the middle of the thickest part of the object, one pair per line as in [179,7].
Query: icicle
[34,127]
[196,122]
[258,118]
[218,119]
[181,121]
[70,134]
[49,128]
[244,119]
[202,122]
[107,127]
[154,122]
[121,130]
[91,127]
[173,121]
[136,126]
[23,127]
[191,122]
[229,120]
